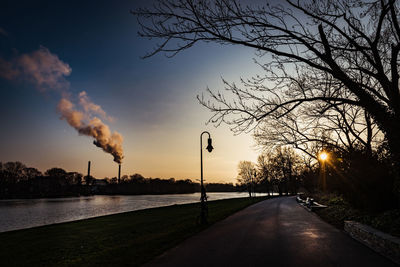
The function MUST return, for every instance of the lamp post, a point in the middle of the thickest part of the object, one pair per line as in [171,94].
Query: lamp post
[203,197]
[254,181]
[251,185]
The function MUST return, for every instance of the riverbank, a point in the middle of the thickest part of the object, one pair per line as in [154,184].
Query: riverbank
[130,238]
[21,213]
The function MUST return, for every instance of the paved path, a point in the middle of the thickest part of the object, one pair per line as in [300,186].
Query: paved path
[275,232]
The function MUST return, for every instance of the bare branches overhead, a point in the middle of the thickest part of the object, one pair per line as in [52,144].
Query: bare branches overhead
[336,56]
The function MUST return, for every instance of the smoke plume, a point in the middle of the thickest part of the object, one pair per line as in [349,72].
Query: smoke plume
[47,72]
[89,106]
[41,68]
[92,126]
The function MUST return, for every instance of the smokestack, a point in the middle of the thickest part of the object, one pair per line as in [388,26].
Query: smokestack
[119,173]
[88,169]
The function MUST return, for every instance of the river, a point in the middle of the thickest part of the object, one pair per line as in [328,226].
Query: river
[25,213]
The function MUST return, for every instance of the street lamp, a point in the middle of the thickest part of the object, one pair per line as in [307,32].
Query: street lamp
[203,197]
[254,181]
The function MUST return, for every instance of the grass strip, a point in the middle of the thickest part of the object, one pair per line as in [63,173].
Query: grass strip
[125,239]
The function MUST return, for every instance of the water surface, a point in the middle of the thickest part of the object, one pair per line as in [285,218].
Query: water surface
[25,213]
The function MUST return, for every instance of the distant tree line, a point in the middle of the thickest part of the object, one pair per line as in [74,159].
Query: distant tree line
[222,187]
[19,181]
[275,172]
[136,184]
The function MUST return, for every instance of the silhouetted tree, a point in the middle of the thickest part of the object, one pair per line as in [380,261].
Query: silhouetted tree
[280,170]
[75,178]
[263,173]
[352,45]
[113,180]
[310,128]
[88,179]
[246,171]
[124,178]
[13,172]
[56,172]
[220,187]
[137,177]
[31,173]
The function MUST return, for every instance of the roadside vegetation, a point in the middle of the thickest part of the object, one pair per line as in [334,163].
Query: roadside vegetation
[355,185]
[339,210]
[126,239]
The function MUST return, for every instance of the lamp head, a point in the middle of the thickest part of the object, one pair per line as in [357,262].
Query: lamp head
[209,146]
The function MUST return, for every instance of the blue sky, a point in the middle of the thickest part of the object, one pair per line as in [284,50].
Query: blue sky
[153,101]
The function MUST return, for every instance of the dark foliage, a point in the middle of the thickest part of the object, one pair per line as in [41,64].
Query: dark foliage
[220,187]
[365,180]
[340,210]
[19,181]
[137,185]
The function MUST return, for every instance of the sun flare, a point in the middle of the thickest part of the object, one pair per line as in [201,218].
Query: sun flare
[323,156]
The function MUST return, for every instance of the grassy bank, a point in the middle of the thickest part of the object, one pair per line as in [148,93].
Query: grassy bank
[339,210]
[131,238]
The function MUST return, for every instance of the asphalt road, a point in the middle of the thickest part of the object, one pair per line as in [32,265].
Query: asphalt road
[275,232]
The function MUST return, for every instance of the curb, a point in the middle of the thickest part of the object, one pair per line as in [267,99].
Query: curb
[385,244]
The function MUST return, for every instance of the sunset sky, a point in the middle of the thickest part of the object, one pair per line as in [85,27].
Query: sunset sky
[152,102]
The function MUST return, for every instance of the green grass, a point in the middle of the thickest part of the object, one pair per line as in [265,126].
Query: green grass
[126,239]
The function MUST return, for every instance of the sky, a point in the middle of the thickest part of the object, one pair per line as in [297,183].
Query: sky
[91,50]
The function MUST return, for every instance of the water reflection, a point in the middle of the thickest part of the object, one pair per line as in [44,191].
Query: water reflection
[25,213]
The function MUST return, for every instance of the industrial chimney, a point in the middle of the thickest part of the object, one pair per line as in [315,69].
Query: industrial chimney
[119,173]
[88,169]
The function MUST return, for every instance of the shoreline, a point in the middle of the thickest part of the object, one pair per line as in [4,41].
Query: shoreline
[17,214]
[119,194]
[112,240]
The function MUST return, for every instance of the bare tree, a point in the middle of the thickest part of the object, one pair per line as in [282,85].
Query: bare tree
[263,173]
[12,172]
[310,129]
[333,52]
[286,164]
[246,174]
